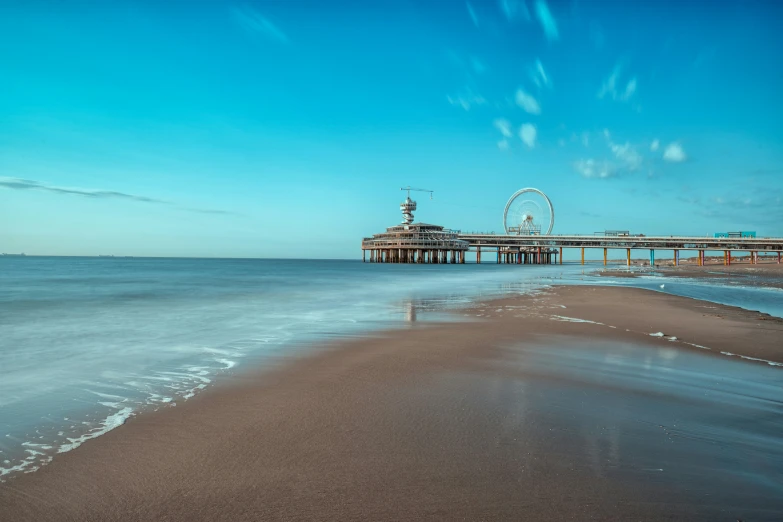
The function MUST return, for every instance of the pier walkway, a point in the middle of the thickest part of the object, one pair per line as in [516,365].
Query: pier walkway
[551,246]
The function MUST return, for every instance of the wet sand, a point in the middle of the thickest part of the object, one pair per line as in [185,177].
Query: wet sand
[764,274]
[473,420]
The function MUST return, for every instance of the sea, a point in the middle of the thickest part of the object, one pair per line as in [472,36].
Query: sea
[87,342]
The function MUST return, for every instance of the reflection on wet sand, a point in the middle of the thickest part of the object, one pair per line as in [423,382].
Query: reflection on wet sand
[410,312]
[704,429]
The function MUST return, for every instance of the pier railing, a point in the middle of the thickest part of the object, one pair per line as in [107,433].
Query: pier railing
[624,242]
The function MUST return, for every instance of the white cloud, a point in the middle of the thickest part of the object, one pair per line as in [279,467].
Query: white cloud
[503,144]
[253,22]
[586,139]
[626,159]
[627,155]
[674,153]
[528,134]
[593,169]
[546,20]
[527,102]
[609,86]
[539,76]
[504,126]
[467,100]
[472,14]
[654,145]
[630,88]
[513,9]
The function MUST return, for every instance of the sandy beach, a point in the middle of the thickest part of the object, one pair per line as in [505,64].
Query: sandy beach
[451,421]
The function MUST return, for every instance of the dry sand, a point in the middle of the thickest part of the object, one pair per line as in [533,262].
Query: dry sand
[404,425]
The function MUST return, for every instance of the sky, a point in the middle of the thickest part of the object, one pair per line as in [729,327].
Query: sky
[286,128]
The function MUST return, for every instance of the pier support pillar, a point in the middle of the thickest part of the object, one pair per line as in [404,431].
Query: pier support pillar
[629,256]
[583,255]
[652,258]
[540,259]
[478,255]
[676,258]
[729,257]
[498,255]
[561,255]
[778,257]
[605,249]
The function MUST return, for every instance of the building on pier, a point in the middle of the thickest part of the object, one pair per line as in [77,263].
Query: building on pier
[411,242]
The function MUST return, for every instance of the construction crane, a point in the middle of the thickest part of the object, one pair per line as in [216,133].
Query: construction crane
[408,189]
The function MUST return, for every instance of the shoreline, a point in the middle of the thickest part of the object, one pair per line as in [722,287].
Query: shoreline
[761,275]
[263,442]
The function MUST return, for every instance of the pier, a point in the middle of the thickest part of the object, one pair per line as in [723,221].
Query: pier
[525,243]
[554,245]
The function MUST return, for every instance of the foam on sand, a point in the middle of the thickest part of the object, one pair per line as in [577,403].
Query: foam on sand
[114,420]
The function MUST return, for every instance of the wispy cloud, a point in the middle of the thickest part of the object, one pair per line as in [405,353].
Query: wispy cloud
[674,153]
[627,155]
[595,169]
[630,89]
[655,145]
[466,99]
[612,86]
[29,184]
[256,24]
[547,21]
[626,159]
[528,134]
[514,9]
[504,126]
[742,199]
[539,76]
[472,14]
[503,144]
[527,102]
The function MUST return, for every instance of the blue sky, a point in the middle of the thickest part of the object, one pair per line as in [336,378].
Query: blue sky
[247,129]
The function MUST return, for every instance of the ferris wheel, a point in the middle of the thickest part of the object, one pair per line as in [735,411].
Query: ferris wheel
[528,212]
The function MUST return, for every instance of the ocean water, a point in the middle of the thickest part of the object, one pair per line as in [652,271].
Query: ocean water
[731,292]
[87,342]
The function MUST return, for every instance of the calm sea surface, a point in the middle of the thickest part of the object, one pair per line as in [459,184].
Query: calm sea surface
[87,342]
